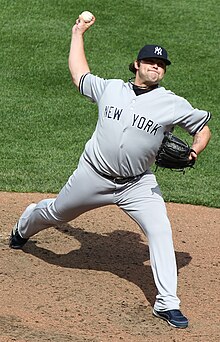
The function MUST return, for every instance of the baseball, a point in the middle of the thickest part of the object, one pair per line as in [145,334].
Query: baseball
[87,16]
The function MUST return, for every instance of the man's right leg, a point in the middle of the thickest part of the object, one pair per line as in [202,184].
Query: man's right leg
[85,190]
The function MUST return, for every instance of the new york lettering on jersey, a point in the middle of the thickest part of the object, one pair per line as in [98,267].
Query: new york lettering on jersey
[151,127]
[145,124]
[112,112]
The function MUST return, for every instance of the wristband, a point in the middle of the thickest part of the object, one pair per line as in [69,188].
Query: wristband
[192,150]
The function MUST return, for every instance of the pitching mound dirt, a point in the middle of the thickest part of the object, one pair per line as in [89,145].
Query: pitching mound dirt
[90,280]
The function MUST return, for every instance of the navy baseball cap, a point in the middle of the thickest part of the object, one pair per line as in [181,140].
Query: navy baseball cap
[151,51]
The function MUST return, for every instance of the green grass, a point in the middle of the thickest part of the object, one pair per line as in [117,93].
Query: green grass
[45,122]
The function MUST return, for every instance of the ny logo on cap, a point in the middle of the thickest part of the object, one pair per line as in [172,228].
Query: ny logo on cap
[158,51]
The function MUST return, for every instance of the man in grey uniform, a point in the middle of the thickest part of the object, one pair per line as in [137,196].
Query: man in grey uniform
[115,165]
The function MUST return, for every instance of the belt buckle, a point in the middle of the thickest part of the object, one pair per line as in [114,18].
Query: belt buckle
[119,180]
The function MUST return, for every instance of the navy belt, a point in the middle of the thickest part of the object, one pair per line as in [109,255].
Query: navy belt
[117,180]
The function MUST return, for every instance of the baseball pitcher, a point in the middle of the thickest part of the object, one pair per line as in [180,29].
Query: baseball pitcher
[115,166]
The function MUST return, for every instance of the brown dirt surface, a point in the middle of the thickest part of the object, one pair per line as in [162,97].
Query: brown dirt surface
[91,281]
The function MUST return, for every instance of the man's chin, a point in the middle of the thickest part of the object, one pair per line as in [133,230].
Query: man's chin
[152,83]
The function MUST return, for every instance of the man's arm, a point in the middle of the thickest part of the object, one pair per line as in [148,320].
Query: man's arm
[200,141]
[78,64]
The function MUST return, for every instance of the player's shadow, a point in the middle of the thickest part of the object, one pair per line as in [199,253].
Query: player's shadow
[120,252]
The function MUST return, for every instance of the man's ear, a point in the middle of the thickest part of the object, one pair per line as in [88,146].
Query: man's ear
[136,64]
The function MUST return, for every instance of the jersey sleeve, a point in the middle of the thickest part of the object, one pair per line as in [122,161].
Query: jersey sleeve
[92,86]
[191,119]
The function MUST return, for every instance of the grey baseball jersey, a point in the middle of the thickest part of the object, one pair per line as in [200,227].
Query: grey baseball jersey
[130,128]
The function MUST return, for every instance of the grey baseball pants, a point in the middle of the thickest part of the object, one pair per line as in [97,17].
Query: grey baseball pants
[140,199]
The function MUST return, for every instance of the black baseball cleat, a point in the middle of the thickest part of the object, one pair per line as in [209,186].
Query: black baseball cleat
[174,318]
[15,240]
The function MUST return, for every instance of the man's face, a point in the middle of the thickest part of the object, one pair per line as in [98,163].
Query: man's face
[150,71]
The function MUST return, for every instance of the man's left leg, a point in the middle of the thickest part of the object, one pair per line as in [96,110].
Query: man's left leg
[143,202]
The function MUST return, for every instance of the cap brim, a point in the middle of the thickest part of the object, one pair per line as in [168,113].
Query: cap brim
[166,61]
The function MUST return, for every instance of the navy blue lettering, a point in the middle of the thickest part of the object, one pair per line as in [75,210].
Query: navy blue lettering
[117,113]
[112,112]
[141,122]
[109,112]
[148,125]
[155,129]
[135,119]
[106,110]
[145,124]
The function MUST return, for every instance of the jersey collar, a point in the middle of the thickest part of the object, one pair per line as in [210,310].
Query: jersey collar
[141,90]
